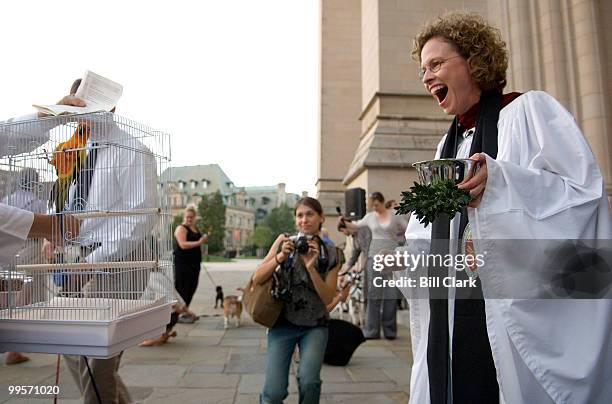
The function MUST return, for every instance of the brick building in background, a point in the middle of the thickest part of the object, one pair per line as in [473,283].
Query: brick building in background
[244,206]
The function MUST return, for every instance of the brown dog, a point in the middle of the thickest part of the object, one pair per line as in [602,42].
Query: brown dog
[232,307]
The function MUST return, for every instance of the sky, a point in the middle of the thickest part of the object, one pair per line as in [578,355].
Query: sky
[234,82]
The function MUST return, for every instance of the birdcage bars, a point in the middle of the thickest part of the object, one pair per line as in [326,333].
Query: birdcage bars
[103,170]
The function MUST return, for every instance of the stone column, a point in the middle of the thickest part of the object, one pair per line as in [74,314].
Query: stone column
[604,14]
[562,47]
[595,117]
[340,98]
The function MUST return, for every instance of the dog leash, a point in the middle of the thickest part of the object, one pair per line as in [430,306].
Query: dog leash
[209,276]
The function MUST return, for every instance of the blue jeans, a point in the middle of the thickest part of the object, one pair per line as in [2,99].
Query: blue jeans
[282,340]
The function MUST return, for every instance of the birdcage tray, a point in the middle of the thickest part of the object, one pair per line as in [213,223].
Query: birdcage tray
[92,338]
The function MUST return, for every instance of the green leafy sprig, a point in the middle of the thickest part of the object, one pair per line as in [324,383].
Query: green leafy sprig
[428,201]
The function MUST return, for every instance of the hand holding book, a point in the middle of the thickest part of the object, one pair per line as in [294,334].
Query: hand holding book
[96,93]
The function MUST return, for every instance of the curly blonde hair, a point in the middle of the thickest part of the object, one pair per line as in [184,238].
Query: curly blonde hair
[476,40]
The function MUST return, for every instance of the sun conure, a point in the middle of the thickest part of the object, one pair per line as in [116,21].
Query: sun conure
[68,158]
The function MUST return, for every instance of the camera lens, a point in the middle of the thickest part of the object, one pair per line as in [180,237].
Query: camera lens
[301,245]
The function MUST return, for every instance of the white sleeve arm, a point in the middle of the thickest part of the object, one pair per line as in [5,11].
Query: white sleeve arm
[24,134]
[364,221]
[556,170]
[15,225]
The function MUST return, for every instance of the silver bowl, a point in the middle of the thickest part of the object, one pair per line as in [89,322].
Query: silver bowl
[432,171]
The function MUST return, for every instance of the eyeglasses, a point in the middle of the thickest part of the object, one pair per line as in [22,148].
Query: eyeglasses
[434,66]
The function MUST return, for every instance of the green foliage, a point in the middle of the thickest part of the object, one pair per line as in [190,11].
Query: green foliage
[211,212]
[280,220]
[178,219]
[262,236]
[428,201]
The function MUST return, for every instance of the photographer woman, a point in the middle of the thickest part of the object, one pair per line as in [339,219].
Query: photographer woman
[308,283]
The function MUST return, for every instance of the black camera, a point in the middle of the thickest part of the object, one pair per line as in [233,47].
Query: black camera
[282,276]
[300,241]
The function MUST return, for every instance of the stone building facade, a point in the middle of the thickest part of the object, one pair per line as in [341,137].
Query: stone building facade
[376,118]
[266,198]
[189,184]
[239,221]
[244,206]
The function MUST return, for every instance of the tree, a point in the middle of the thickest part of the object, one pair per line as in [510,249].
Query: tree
[280,220]
[262,237]
[211,212]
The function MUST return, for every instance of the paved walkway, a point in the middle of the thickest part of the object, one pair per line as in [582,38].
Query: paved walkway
[207,364]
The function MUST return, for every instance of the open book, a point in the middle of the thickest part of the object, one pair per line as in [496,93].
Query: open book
[99,93]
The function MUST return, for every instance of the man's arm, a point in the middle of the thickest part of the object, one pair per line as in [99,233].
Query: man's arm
[17,224]
[23,134]
[26,133]
[53,227]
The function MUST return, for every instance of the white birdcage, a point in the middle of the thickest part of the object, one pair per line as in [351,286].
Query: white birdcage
[111,285]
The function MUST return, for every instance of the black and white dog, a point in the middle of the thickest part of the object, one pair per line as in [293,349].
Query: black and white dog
[219,297]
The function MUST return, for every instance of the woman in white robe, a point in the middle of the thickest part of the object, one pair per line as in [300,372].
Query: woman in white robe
[543,184]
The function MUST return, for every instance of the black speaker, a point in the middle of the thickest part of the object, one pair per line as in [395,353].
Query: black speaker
[355,203]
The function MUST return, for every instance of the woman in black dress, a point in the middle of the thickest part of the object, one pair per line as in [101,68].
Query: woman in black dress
[187,256]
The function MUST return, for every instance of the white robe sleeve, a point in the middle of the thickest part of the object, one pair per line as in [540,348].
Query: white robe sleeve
[544,168]
[15,225]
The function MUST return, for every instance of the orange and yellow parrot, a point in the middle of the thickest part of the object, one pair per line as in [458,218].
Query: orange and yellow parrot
[68,158]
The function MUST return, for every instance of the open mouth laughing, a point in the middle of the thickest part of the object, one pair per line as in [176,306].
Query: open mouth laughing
[439,92]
